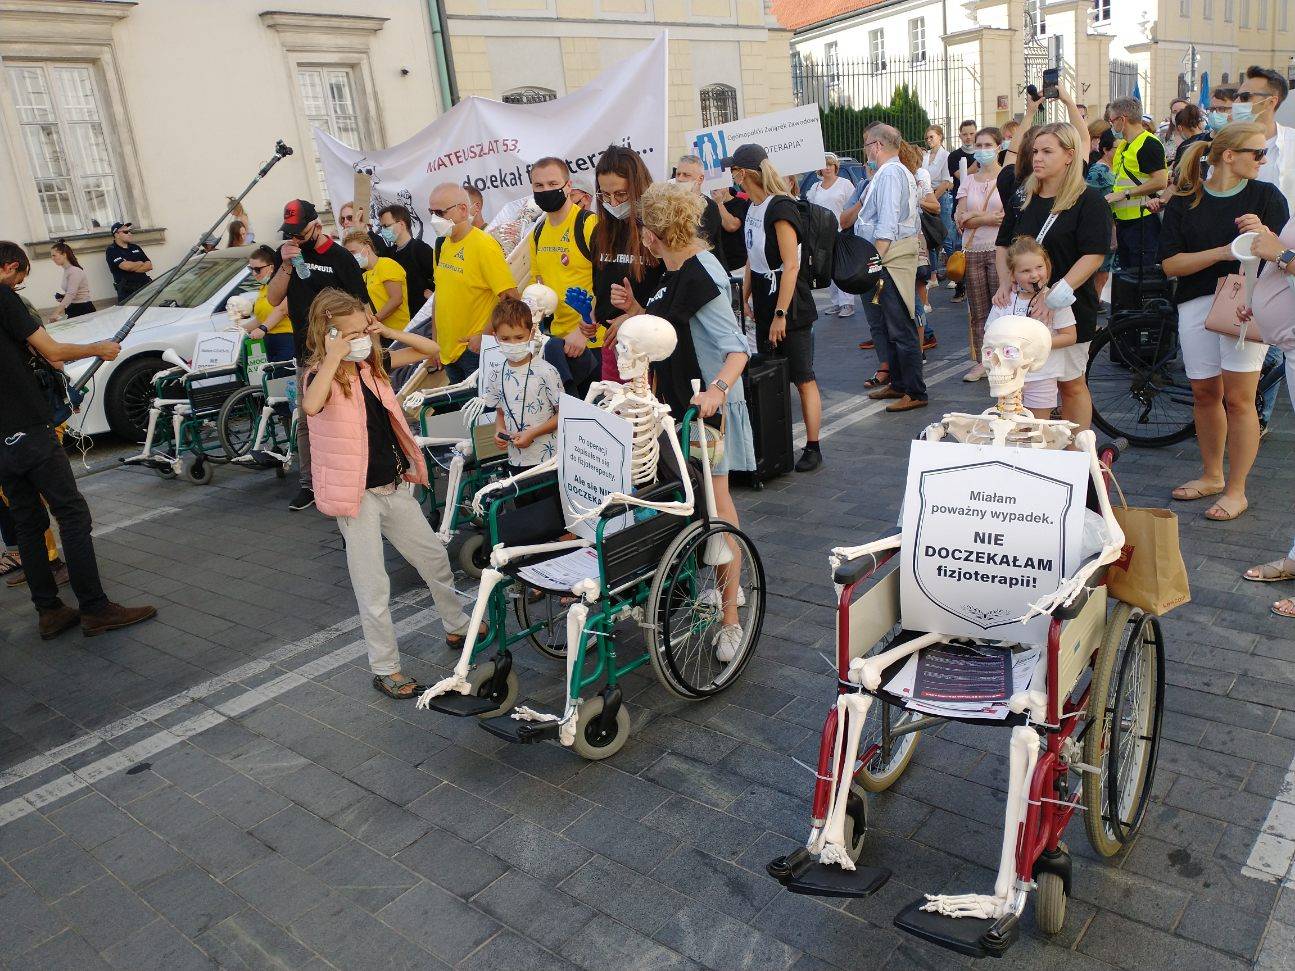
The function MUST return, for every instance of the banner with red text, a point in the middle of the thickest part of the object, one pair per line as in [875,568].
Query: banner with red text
[491,145]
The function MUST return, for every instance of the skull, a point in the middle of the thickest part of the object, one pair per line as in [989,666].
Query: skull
[640,341]
[239,308]
[1013,347]
[542,301]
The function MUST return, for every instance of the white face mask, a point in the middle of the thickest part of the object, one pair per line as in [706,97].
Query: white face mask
[361,259]
[517,352]
[440,225]
[618,211]
[361,348]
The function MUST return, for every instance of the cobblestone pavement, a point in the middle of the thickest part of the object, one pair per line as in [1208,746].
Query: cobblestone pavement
[222,786]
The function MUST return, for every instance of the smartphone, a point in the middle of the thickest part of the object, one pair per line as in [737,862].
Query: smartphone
[505,436]
[1051,77]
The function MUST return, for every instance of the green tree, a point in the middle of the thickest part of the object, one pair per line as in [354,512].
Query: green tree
[843,127]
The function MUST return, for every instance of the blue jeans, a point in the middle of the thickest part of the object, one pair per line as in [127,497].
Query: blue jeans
[1274,358]
[951,240]
[895,334]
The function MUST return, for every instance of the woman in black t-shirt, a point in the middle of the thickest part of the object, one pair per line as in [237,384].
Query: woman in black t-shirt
[620,257]
[1196,247]
[1073,222]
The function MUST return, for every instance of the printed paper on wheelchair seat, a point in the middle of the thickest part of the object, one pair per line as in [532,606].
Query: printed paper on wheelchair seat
[986,532]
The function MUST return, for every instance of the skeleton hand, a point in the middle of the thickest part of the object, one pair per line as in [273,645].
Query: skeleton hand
[414,400]
[472,410]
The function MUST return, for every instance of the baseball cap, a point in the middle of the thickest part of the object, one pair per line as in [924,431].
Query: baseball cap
[297,215]
[745,157]
[118,227]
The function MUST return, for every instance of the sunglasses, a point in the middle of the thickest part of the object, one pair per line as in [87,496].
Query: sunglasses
[257,269]
[442,212]
[1247,96]
[1259,153]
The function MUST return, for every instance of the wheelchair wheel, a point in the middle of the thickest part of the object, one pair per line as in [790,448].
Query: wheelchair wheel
[885,767]
[473,555]
[856,824]
[480,679]
[238,421]
[164,471]
[198,469]
[685,615]
[594,741]
[1123,733]
[1050,903]
[549,615]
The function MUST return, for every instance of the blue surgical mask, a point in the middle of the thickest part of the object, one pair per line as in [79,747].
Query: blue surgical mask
[388,234]
[1216,120]
[872,165]
[985,156]
[1119,132]
[1243,111]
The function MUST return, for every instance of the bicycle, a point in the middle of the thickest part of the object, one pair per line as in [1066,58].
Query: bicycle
[1139,387]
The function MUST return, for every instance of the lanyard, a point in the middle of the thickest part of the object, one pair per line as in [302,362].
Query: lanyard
[1047,224]
[503,396]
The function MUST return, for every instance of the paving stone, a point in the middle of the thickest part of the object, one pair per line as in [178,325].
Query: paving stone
[300,836]
[1126,944]
[279,889]
[57,869]
[460,812]
[157,945]
[249,942]
[535,850]
[191,899]
[439,922]
[25,833]
[619,791]
[323,792]
[452,864]
[470,771]
[168,811]
[507,950]
[624,840]
[363,876]
[638,901]
[828,934]
[1222,927]
[382,825]
[67,950]
[394,780]
[105,912]
[137,856]
[90,820]
[537,911]
[189,768]
[723,886]
[722,943]
[219,847]
[536,800]
[720,835]
[604,943]
[705,783]
[28,921]
[242,801]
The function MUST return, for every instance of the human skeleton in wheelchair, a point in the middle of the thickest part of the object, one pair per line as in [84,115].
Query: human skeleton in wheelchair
[640,341]
[1013,346]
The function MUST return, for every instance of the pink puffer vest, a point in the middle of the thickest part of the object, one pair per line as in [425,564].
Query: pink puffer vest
[339,446]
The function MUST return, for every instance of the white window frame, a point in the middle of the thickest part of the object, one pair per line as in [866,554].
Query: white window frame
[1102,11]
[1283,14]
[1035,8]
[917,39]
[328,119]
[1207,9]
[1245,15]
[1261,14]
[1229,11]
[832,64]
[877,50]
[1185,8]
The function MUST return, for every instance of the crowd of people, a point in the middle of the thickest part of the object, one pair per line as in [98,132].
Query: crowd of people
[1033,218]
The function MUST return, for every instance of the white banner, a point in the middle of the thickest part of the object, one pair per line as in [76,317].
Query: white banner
[491,145]
[793,138]
[594,452]
[986,531]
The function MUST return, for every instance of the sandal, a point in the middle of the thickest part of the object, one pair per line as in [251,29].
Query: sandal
[1271,572]
[1196,489]
[879,379]
[455,641]
[9,562]
[398,686]
[1284,608]
[1226,515]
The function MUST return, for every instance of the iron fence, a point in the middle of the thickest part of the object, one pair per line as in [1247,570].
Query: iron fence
[909,93]
[1123,78]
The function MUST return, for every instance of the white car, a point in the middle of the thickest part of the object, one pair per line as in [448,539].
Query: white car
[119,395]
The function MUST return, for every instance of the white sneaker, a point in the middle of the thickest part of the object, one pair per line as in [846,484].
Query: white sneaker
[713,598]
[727,642]
[951,285]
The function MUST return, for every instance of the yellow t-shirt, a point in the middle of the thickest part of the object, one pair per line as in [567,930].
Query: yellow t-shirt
[557,262]
[470,275]
[384,270]
[262,309]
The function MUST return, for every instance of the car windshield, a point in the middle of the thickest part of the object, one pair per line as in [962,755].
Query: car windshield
[196,284]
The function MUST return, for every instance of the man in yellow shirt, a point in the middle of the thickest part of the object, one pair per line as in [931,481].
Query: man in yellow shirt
[561,259]
[471,275]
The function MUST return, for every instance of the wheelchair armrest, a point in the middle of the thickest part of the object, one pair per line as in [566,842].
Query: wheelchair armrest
[859,568]
[661,492]
[1073,609]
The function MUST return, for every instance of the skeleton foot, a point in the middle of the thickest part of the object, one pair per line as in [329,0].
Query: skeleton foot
[454,682]
[525,714]
[978,905]
[834,853]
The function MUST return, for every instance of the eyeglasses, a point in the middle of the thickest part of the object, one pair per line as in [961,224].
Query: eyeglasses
[614,198]
[442,212]
[348,217]
[1258,153]
[1245,97]
[257,269]
[870,144]
[126,232]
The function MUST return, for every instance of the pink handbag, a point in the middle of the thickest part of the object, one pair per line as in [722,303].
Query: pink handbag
[1230,296]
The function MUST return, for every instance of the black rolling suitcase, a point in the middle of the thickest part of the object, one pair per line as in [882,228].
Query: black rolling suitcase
[768,399]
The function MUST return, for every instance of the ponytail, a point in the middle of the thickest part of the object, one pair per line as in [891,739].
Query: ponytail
[1191,179]
[771,180]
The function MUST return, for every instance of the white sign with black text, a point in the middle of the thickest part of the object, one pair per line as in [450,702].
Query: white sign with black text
[986,531]
[217,348]
[793,138]
[594,452]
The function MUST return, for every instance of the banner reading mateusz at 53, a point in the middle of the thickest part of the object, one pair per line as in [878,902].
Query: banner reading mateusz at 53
[491,145]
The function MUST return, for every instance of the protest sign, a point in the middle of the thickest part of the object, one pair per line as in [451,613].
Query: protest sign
[594,449]
[986,531]
[217,348]
[793,138]
[491,145]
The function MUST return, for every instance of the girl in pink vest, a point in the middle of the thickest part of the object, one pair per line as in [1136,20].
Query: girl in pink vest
[364,463]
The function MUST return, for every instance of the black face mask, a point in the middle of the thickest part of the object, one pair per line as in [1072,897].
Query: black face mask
[551,200]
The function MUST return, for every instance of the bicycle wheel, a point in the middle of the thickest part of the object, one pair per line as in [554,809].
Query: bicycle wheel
[1139,388]
[240,416]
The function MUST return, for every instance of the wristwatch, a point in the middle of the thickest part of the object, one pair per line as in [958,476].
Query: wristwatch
[780,314]
[1285,260]
[1128,195]
[722,385]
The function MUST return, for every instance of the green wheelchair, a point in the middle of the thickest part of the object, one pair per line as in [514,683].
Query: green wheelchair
[258,423]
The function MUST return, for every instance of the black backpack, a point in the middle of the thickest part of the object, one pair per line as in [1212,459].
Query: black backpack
[582,241]
[818,229]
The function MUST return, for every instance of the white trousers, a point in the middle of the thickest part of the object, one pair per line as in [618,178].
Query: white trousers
[837,297]
[400,519]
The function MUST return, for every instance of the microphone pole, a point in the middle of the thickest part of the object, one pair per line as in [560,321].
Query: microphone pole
[281,151]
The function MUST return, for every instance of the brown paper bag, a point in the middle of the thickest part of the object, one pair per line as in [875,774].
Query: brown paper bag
[1150,572]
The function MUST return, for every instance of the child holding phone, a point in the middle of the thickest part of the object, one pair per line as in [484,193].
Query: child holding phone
[365,464]
[1028,263]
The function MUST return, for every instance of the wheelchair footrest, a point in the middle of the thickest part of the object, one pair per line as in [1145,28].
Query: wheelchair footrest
[516,730]
[973,936]
[832,881]
[464,706]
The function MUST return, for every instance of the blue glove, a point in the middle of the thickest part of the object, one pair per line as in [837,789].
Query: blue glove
[582,302]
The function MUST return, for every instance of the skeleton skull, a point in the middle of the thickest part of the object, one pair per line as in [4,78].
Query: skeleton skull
[1013,347]
[640,341]
[542,301]
[239,308]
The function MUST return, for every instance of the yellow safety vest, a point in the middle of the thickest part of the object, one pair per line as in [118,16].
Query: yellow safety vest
[1128,176]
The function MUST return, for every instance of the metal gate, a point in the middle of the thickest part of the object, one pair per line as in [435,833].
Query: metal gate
[1123,78]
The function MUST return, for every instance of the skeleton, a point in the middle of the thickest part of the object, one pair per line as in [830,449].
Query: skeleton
[1013,347]
[640,341]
